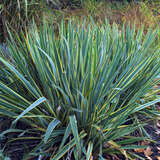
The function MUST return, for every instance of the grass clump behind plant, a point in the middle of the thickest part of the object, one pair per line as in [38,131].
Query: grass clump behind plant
[79,91]
[18,14]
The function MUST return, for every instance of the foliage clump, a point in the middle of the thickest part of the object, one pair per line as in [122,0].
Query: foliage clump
[79,91]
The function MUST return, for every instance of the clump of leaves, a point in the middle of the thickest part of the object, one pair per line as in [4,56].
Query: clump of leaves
[79,91]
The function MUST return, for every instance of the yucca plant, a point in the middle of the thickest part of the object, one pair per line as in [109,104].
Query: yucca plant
[79,90]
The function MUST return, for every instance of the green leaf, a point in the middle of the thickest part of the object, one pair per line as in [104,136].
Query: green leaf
[146,105]
[10,131]
[50,129]
[133,147]
[32,106]
[89,151]
[66,135]
[67,147]
[131,140]
[74,128]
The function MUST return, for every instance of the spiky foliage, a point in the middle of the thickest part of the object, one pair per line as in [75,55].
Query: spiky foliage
[80,90]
